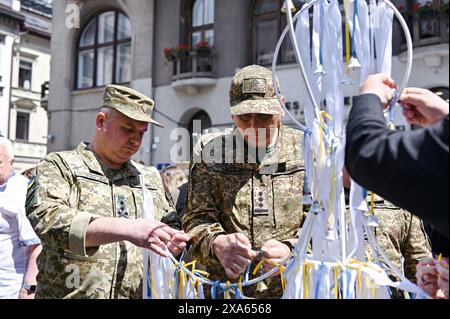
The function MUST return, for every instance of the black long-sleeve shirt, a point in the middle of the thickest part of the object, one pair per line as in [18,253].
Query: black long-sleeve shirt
[408,168]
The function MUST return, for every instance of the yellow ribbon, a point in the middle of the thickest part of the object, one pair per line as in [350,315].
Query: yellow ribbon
[282,279]
[195,270]
[258,266]
[360,277]
[336,271]
[306,281]
[239,284]
[331,215]
[323,115]
[226,294]
[182,281]
[372,203]
[152,282]
[365,264]
[347,34]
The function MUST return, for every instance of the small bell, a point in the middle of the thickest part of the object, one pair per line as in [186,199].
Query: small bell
[391,126]
[354,63]
[346,80]
[320,71]
[284,8]
[330,235]
[307,200]
[261,286]
[372,221]
[316,208]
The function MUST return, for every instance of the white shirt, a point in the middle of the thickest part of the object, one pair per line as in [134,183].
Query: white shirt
[16,236]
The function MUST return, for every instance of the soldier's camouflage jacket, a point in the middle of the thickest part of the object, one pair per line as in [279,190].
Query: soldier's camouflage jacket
[402,237]
[71,189]
[261,201]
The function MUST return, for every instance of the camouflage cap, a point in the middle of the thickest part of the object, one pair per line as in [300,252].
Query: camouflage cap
[252,91]
[129,102]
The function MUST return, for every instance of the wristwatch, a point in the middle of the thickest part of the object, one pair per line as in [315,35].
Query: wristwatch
[29,288]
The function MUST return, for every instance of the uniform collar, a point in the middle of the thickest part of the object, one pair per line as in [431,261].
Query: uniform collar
[94,164]
[272,159]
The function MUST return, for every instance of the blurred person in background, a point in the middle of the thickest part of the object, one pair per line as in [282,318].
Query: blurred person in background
[19,245]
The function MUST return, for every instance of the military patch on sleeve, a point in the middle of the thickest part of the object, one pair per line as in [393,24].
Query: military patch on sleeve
[254,86]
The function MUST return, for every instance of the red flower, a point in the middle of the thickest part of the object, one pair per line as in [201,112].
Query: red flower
[202,45]
[401,9]
[415,7]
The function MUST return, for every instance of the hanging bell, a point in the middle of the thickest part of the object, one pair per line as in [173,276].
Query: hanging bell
[346,80]
[354,63]
[316,208]
[284,8]
[391,126]
[372,221]
[307,200]
[320,71]
[261,286]
[330,235]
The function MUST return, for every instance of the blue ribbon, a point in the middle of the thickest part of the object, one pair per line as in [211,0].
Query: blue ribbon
[355,13]
[320,274]
[321,33]
[216,289]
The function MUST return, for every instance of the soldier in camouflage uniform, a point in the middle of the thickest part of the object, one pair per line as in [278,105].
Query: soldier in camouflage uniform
[400,234]
[85,205]
[245,187]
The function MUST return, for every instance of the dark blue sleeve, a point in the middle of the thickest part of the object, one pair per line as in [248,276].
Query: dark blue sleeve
[408,168]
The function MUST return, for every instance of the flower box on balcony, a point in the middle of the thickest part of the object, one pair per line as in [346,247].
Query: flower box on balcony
[202,48]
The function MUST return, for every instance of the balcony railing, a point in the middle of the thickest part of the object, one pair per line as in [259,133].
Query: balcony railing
[29,149]
[193,66]
[428,29]
[44,7]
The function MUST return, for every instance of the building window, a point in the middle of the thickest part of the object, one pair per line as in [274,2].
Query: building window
[267,24]
[201,22]
[25,72]
[104,51]
[442,92]
[203,123]
[22,126]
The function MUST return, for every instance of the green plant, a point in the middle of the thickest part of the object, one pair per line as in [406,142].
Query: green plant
[429,8]
[169,54]
[182,50]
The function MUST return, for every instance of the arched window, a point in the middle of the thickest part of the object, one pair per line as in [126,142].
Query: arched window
[201,22]
[267,24]
[203,123]
[104,51]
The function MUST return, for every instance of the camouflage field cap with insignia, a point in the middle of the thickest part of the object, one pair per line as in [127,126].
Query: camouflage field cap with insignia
[129,102]
[252,91]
